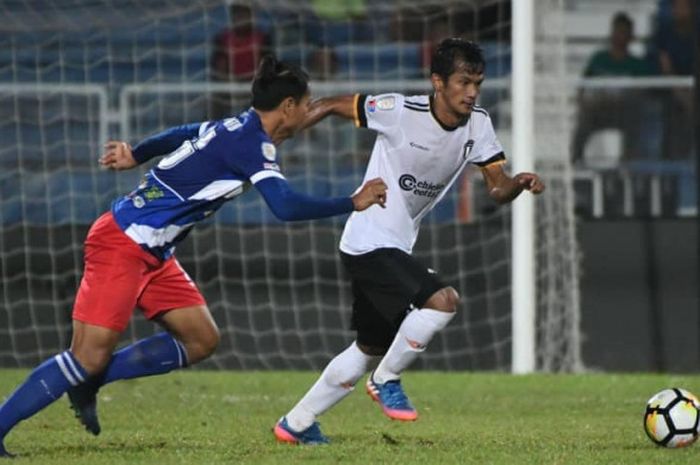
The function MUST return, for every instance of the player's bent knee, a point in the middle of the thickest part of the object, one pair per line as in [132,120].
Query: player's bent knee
[212,341]
[93,360]
[92,346]
[203,345]
[444,300]
[453,298]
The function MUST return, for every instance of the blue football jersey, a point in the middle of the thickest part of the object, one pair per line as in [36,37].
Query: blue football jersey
[193,181]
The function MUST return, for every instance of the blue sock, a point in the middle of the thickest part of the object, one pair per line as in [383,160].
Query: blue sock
[154,355]
[47,383]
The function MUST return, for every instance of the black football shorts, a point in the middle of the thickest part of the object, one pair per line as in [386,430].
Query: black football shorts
[386,284]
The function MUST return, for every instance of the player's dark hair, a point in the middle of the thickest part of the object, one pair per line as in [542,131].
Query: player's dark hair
[275,81]
[622,19]
[451,52]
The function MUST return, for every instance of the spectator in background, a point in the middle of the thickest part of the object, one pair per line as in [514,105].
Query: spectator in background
[672,46]
[673,40]
[618,109]
[237,52]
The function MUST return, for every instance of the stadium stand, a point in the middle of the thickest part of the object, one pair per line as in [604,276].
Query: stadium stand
[115,58]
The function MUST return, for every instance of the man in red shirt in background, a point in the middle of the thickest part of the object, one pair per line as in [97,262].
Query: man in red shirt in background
[237,52]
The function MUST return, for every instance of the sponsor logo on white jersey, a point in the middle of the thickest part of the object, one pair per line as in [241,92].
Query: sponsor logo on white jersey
[408,182]
[418,146]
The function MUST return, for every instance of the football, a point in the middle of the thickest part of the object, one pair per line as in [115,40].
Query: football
[671,418]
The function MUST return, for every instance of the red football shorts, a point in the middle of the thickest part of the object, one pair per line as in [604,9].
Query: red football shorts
[120,276]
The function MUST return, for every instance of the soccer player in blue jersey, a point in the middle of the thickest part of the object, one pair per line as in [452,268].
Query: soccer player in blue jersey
[129,258]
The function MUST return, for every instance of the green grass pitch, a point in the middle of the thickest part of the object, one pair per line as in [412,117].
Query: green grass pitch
[205,417]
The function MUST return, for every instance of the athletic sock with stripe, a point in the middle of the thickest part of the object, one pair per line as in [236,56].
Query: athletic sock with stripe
[47,383]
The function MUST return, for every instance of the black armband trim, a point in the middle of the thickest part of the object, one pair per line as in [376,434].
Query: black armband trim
[361,120]
[499,157]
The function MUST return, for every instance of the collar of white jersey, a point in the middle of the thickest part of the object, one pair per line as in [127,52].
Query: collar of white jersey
[440,123]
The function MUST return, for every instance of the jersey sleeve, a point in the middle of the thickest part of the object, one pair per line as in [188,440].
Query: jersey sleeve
[165,142]
[487,149]
[288,205]
[378,112]
[256,161]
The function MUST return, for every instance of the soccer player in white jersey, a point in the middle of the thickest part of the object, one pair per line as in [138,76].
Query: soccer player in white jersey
[129,259]
[423,144]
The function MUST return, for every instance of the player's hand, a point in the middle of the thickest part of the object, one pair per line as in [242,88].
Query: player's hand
[117,156]
[530,182]
[373,191]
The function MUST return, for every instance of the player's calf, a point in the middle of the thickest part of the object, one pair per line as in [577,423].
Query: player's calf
[44,385]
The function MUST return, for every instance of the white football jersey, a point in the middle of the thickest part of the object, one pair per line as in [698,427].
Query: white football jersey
[419,159]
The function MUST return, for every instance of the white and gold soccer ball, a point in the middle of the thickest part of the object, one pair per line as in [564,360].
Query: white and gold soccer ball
[671,418]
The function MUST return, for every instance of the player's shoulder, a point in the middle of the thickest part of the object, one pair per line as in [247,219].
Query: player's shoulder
[480,123]
[480,112]
[419,103]
[246,133]
[245,126]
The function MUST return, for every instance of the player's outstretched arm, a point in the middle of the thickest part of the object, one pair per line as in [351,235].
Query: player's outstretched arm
[288,205]
[503,188]
[119,155]
[343,106]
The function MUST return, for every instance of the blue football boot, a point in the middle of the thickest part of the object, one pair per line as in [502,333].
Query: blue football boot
[83,401]
[391,399]
[311,436]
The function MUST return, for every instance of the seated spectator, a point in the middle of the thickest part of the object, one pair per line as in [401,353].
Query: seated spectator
[672,47]
[616,109]
[237,52]
[673,40]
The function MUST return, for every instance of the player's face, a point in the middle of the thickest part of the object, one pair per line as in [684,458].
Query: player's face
[297,113]
[462,89]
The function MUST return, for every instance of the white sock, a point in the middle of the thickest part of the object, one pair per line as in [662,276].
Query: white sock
[416,331]
[337,381]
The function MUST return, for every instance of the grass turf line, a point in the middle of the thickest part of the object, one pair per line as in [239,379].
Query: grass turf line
[207,417]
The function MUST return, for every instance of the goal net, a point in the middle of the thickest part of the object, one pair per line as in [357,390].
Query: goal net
[74,74]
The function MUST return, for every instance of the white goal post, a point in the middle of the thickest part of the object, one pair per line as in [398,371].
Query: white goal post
[524,299]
